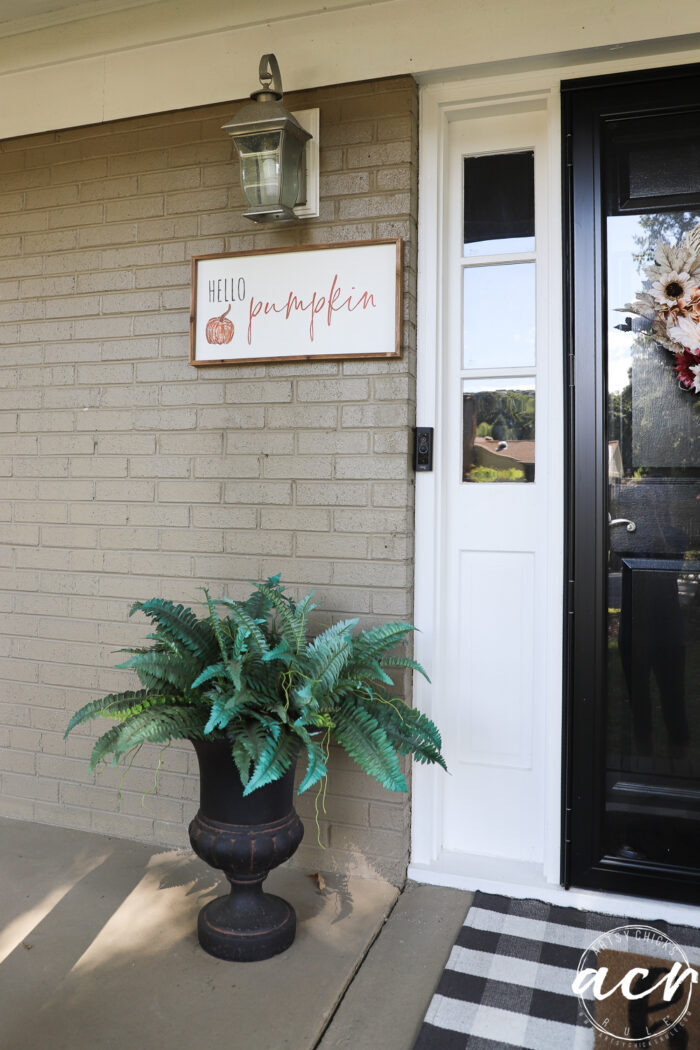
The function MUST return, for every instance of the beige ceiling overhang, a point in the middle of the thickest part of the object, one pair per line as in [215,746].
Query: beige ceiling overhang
[67,64]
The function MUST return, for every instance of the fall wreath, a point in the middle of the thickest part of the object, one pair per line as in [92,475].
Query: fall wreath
[671,304]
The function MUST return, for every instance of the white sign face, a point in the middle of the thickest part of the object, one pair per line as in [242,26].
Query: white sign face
[332,301]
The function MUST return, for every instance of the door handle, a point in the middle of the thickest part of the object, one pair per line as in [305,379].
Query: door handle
[631,527]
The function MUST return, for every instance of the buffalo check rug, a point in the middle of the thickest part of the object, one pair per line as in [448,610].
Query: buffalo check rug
[508,980]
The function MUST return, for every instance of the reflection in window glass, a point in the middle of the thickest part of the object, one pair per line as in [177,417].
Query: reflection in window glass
[499,203]
[498,429]
[652,422]
[499,316]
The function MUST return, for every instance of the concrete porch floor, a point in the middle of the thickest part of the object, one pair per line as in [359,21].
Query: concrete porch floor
[98,951]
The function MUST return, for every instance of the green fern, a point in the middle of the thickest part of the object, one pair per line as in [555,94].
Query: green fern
[249,675]
[277,756]
[252,737]
[404,661]
[242,618]
[157,727]
[291,619]
[163,669]
[408,731]
[219,670]
[315,761]
[104,746]
[328,654]
[179,624]
[367,743]
[226,706]
[376,640]
[104,706]
[258,605]
[242,761]
[216,624]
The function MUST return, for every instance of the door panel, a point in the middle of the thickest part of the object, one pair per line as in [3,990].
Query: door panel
[634,639]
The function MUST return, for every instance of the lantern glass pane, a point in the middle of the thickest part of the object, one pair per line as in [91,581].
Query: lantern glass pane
[292,151]
[260,167]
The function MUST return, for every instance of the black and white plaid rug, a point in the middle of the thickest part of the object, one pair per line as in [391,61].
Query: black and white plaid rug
[507,982]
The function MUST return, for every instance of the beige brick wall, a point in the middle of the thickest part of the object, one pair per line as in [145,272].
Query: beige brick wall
[126,473]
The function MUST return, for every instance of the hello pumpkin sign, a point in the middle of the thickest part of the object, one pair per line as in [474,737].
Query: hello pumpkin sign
[296,304]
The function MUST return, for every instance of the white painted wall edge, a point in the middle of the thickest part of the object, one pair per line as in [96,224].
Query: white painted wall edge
[167,56]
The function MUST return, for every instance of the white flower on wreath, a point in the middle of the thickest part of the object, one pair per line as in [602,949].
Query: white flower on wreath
[685,332]
[695,369]
[672,286]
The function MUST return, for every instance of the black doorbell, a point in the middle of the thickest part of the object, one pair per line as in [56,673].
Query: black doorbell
[423,448]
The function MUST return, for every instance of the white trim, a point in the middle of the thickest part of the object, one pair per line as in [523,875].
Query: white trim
[427,780]
[310,120]
[442,104]
[553,455]
[532,888]
[442,101]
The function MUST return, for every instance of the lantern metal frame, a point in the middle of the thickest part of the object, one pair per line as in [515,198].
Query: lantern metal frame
[265,118]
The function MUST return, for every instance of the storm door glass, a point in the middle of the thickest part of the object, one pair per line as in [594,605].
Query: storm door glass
[652,789]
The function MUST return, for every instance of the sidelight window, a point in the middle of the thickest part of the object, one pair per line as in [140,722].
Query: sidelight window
[499,296]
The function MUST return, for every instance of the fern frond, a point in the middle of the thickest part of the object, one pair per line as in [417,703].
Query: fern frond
[408,731]
[157,668]
[404,661]
[366,742]
[128,708]
[226,706]
[258,605]
[242,761]
[242,618]
[277,756]
[213,671]
[315,765]
[216,624]
[301,612]
[374,672]
[376,640]
[103,706]
[291,624]
[252,737]
[328,654]
[179,624]
[281,652]
[104,746]
[151,727]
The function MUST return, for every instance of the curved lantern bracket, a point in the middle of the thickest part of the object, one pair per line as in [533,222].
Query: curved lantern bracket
[269,73]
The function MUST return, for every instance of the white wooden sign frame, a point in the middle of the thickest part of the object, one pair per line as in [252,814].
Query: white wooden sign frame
[325,302]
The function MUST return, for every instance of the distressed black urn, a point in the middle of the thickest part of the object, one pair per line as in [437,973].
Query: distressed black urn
[246,838]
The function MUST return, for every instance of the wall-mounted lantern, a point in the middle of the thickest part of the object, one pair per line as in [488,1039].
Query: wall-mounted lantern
[270,142]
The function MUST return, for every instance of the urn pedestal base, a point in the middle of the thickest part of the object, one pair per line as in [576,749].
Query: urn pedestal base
[245,838]
[247,925]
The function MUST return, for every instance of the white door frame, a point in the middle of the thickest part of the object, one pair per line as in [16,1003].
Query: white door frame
[441,104]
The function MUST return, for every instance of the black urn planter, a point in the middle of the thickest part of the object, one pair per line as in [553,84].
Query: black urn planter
[246,838]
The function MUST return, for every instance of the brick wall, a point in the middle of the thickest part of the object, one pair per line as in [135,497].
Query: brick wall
[126,473]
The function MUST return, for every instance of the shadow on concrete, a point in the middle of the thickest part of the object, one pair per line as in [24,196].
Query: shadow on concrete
[115,964]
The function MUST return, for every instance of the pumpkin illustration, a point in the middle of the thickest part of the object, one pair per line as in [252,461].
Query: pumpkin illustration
[220,329]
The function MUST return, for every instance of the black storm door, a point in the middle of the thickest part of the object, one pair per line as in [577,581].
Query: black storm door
[632,180]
